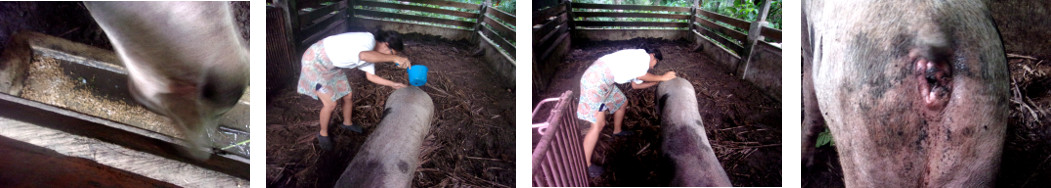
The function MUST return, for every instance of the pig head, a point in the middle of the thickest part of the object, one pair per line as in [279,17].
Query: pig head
[185,60]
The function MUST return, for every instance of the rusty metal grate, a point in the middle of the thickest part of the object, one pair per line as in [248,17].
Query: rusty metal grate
[558,160]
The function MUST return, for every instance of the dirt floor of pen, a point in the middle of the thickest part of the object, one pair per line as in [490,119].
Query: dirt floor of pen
[742,123]
[471,142]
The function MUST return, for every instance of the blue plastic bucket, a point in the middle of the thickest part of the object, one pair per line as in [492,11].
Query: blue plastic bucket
[417,75]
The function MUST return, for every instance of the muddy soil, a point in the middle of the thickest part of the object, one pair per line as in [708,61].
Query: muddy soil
[743,123]
[471,142]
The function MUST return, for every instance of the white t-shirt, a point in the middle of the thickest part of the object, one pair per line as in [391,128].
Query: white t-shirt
[627,65]
[343,50]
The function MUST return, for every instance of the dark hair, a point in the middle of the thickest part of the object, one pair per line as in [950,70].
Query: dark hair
[655,51]
[392,39]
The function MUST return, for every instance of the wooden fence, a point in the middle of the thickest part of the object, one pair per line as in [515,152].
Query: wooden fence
[306,22]
[731,41]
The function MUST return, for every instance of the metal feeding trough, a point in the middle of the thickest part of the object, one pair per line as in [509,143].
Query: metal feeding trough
[558,159]
[82,90]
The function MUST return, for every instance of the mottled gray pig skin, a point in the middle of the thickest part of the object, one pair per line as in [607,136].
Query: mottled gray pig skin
[185,60]
[915,93]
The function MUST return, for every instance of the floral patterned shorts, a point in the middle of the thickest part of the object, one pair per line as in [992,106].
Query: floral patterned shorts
[318,74]
[597,93]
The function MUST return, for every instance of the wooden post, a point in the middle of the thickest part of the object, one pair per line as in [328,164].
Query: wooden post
[684,142]
[390,156]
[753,37]
[693,14]
[569,17]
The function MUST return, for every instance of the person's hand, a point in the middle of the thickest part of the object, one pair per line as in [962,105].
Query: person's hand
[398,85]
[402,62]
[669,75]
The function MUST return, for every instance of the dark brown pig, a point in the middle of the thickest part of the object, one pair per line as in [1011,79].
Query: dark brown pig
[185,60]
[915,93]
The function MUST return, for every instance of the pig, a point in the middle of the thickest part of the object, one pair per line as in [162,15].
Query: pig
[185,61]
[915,93]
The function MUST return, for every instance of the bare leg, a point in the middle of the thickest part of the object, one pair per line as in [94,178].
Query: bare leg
[592,137]
[326,110]
[348,106]
[618,118]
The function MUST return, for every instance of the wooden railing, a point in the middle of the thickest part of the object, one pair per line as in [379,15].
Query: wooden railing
[606,16]
[727,31]
[551,36]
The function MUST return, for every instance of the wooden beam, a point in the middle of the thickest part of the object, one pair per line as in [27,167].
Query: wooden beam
[108,131]
[771,33]
[378,14]
[725,19]
[736,48]
[543,15]
[417,8]
[632,24]
[503,30]
[27,165]
[503,16]
[309,17]
[504,44]
[734,34]
[630,7]
[467,6]
[632,15]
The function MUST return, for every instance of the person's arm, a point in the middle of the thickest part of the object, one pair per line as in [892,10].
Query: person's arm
[654,78]
[643,85]
[377,57]
[383,81]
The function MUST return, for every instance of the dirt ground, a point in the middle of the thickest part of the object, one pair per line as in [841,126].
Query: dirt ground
[471,142]
[744,124]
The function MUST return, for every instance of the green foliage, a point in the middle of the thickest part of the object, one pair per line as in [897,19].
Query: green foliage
[825,138]
[745,10]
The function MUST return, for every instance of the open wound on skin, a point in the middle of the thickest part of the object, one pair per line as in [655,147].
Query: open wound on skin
[935,80]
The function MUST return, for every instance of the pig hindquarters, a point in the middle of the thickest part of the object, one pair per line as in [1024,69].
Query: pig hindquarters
[914,92]
[185,60]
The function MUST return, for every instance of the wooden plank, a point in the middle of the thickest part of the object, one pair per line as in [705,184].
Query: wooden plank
[314,15]
[313,38]
[771,33]
[547,37]
[510,49]
[417,8]
[108,131]
[314,29]
[448,4]
[28,165]
[544,15]
[551,25]
[630,7]
[503,16]
[378,14]
[736,35]
[728,20]
[504,31]
[726,43]
[631,15]
[632,24]
[547,52]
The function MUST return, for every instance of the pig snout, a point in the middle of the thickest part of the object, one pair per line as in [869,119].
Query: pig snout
[185,61]
[915,100]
